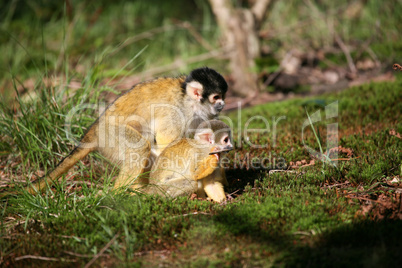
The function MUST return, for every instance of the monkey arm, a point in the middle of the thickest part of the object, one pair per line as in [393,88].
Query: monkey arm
[206,167]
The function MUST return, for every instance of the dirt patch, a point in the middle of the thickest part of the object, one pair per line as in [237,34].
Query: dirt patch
[381,206]
[383,200]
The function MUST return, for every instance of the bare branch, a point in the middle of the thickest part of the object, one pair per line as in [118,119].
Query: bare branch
[238,28]
[345,51]
[197,36]
[222,10]
[33,257]
[36,258]
[259,9]
[181,63]
[152,32]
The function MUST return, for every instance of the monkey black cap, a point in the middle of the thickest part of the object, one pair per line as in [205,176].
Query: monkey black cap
[212,81]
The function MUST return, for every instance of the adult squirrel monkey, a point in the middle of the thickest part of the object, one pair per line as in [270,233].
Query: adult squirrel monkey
[193,165]
[136,127]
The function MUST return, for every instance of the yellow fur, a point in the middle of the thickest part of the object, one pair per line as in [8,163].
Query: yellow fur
[156,110]
[187,167]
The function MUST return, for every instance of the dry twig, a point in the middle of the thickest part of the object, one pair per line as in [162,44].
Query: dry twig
[101,251]
[78,255]
[155,252]
[345,51]
[42,258]
[338,184]
[178,63]
[366,199]
[189,214]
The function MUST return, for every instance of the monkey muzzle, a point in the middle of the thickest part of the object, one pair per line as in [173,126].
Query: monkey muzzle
[221,149]
[218,151]
[219,106]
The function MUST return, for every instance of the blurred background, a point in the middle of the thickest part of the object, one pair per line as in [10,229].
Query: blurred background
[267,50]
[62,62]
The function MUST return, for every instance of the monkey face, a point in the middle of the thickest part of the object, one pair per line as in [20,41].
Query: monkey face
[217,102]
[216,133]
[223,142]
[208,88]
[226,142]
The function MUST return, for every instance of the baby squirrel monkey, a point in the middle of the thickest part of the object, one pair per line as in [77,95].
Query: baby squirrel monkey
[193,165]
[136,127]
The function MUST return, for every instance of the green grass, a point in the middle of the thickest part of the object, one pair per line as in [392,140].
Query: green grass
[279,218]
[48,38]
[45,38]
[305,216]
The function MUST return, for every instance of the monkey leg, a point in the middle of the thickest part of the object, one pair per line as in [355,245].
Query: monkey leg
[224,181]
[173,186]
[133,153]
[200,190]
[213,186]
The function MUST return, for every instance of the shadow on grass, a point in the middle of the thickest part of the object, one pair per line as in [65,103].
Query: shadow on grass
[363,244]
[238,179]
[242,222]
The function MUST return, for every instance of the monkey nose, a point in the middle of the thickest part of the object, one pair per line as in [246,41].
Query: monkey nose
[228,147]
[219,106]
[221,149]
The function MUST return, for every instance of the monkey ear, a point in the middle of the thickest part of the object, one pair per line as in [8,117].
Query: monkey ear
[194,89]
[205,135]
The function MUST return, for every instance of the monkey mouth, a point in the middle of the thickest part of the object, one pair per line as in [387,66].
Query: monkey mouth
[220,151]
[217,155]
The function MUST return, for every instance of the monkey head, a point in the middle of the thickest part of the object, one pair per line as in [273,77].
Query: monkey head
[216,133]
[208,88]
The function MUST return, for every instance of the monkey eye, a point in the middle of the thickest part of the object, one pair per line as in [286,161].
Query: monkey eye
[215,97]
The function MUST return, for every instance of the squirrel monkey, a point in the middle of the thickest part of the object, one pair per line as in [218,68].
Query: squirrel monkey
[192,165]
[136,127]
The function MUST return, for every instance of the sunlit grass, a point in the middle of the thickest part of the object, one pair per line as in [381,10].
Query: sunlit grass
[302,216]
[279,213]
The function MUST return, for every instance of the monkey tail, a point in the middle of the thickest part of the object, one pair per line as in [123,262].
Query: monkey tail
[68,162]
[87,145]
[39,185]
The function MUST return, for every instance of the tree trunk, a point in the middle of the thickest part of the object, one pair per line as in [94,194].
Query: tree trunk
[239,27]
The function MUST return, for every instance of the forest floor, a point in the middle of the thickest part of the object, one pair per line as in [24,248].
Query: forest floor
[294,196]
